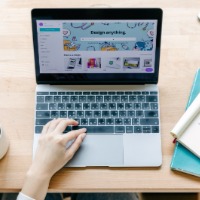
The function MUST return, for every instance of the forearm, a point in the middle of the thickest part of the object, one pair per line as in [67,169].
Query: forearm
[36,185]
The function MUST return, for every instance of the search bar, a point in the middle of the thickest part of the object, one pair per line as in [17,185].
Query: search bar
[108,39]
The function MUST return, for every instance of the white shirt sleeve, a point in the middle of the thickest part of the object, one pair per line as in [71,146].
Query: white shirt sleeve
[22,196]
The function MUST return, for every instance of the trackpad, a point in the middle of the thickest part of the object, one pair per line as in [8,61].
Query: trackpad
[99,150]
[142,150]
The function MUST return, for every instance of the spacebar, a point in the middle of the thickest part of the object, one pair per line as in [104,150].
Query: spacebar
[96,129]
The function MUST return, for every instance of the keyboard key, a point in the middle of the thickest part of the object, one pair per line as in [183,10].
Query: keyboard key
[94,106]
[112,106]
[57,99]
[154,106]
[146,129]
[71,114]
[94,93]
[109,121]
[86,106]
[55,114]
[40,99]
[127,121]
[96,129]
[84,122]
[80,114]
[41,106]
[97,113]
[139,113]
[49,99]
[61,93]
[114,113]
[119,129]
[120,93]
[141,98]
[145,93]
[103,106]
[53,106]
[92,121]
[151,113]
[82,98]
[153,92]
[137,129]
[91,99]
[63,114]
[128,93]
[151,99]
[69,106]
[42,93]
[132,98]
[99,98]
[105,113]
[118,121]
[131,113]
[135,121]
[149,121]
[103,93]
[116,98]
[101,121]
[78,106]
[122,113]
[74,98]
[61,106]
[86,93]
[42,121]
[120,106]
[38,129]
[145,106]
[78,93]
[53,93]
[111,93]
[42,114]
[129,129]
[137,106]
[124,98]
[128,106]
[70,93]
[88,114]
[107,98]
[155,129]
[65,98]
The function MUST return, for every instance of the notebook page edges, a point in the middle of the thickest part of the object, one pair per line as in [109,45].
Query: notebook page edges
[186,118]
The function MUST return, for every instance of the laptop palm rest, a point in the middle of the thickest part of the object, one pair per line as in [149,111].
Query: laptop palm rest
[142,150]
[99,151]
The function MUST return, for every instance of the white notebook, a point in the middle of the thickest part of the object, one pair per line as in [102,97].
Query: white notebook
[187,129]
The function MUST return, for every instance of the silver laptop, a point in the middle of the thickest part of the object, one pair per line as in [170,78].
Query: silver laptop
[100,66]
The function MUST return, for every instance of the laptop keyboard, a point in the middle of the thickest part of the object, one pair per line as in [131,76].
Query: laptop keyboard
[109,112]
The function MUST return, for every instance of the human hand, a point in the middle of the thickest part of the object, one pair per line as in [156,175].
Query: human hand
[51,153]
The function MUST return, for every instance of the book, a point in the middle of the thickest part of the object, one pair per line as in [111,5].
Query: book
[183,159]
[187,129]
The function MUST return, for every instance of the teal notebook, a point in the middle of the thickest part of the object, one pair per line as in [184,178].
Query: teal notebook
[183,160]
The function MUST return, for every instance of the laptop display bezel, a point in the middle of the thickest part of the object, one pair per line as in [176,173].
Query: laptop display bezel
[97,14]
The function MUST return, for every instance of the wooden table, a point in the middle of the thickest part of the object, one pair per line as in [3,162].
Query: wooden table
[180,59]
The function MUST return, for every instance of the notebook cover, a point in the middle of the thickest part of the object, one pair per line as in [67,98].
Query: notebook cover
[184,160]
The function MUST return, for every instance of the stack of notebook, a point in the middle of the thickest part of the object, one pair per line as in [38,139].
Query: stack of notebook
[184,160]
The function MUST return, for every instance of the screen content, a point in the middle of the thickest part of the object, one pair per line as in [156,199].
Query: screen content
[96,46]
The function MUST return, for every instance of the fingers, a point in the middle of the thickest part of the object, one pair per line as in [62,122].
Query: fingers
[73,135]
[58,125]
[75,146]
[53,124]
[61,126]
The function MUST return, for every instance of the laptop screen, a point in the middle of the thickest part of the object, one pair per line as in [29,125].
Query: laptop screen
[107,50]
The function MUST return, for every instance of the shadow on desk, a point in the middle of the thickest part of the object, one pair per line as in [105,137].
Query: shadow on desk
[144,196]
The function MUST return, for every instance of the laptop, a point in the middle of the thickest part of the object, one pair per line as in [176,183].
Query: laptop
[100,67]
